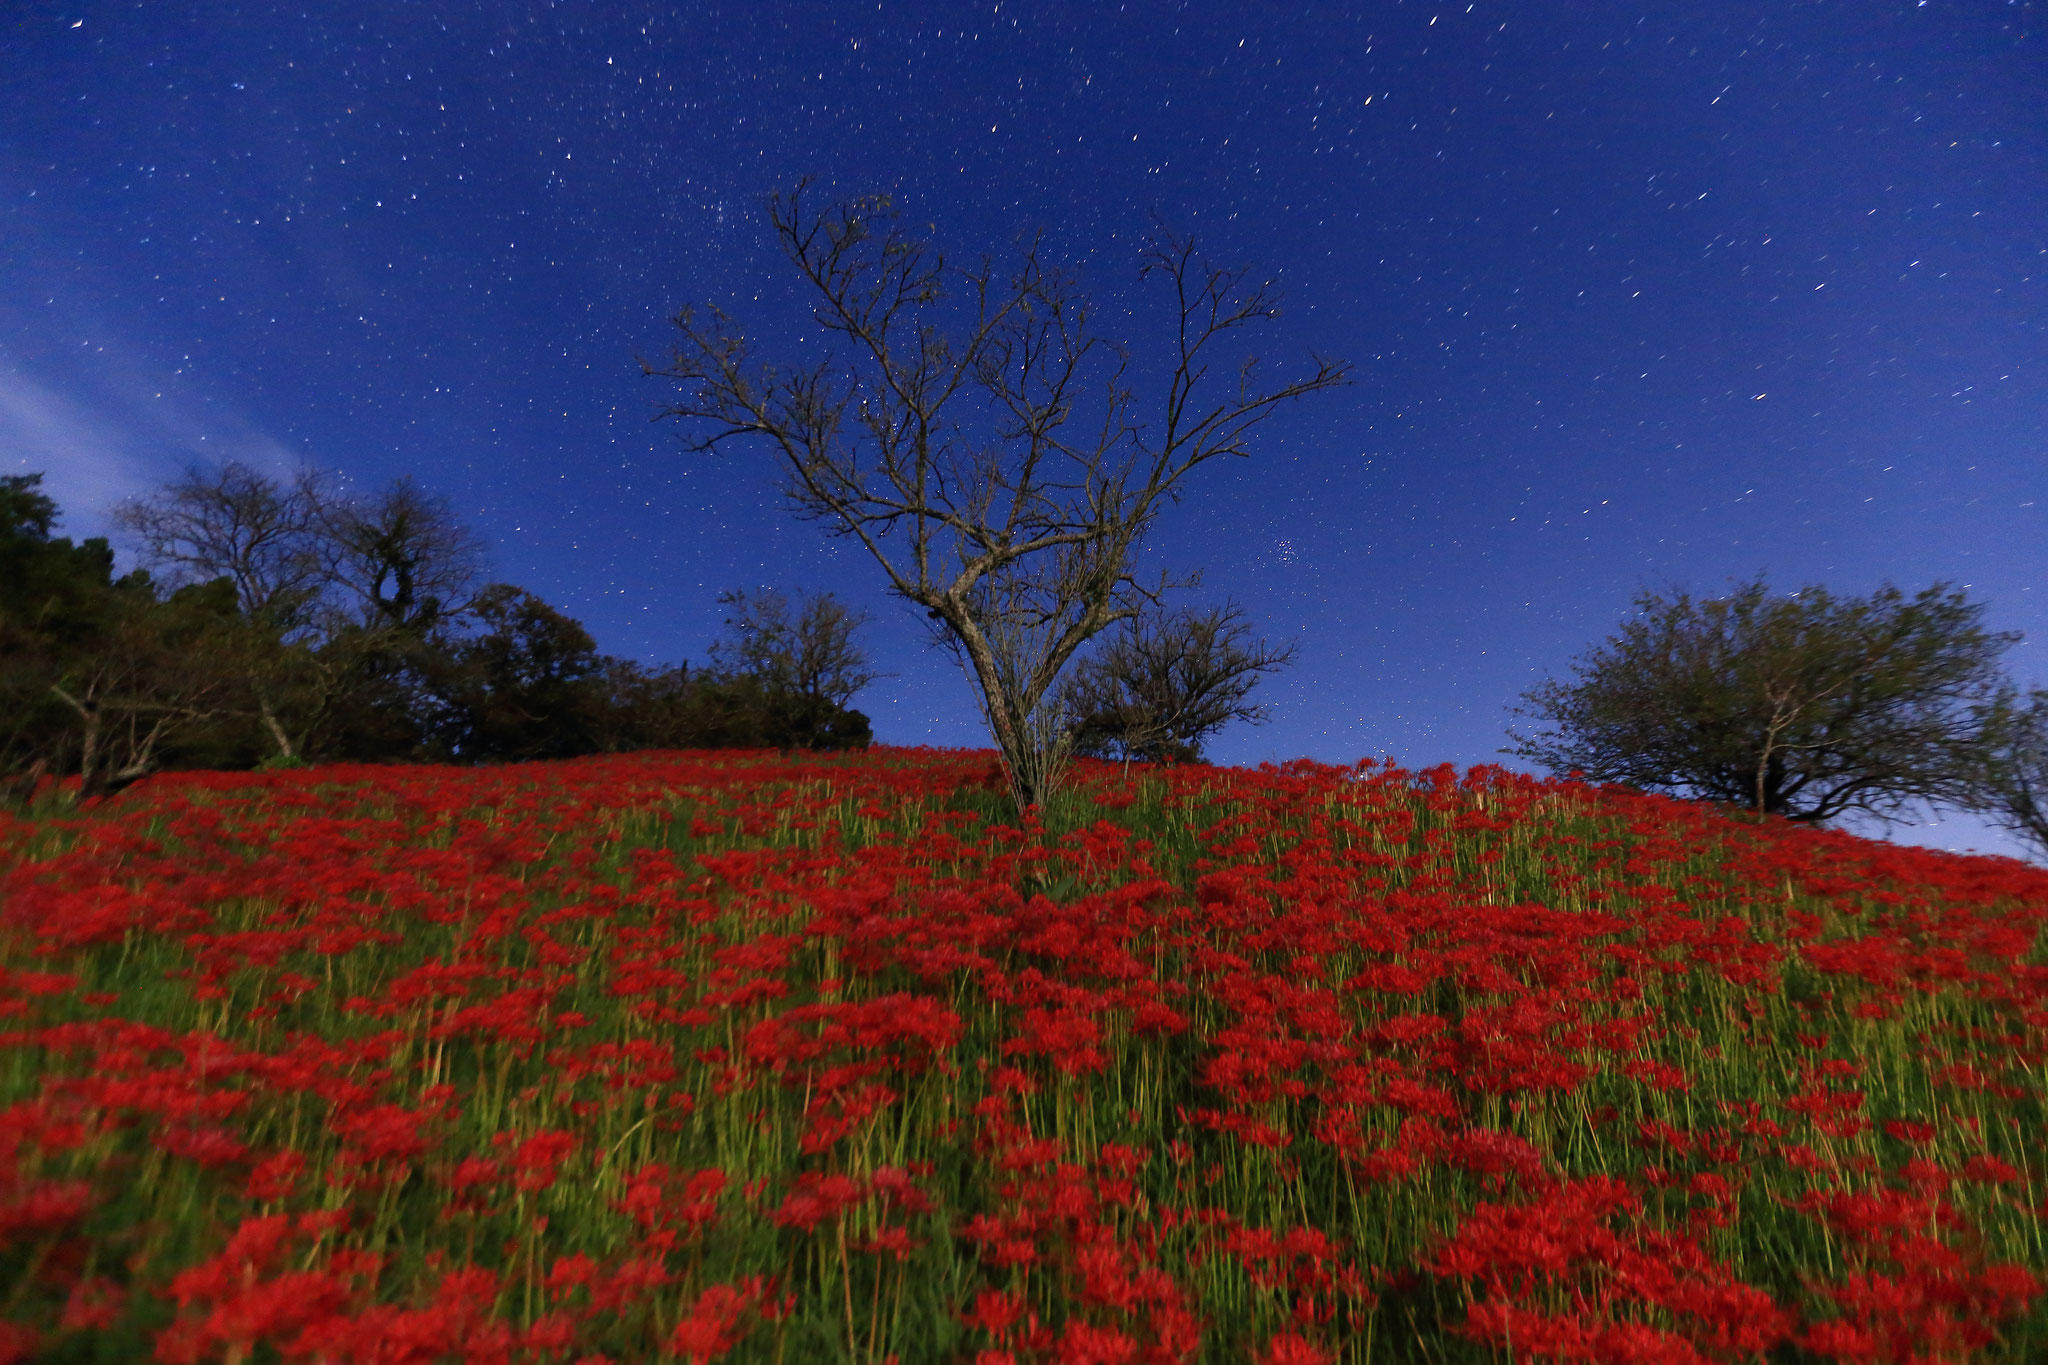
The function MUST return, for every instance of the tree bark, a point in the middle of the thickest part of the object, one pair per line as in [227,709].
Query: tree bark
[278,734]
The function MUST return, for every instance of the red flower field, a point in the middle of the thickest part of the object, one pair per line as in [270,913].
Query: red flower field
[697,1057]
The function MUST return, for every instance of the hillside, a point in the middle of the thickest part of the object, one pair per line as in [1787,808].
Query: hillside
[729,1056]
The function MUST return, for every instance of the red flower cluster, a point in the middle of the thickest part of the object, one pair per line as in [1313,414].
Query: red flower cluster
[677,1057]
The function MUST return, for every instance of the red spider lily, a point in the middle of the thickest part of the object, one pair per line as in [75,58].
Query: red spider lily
[94,1303]
[899,1189]
[19,1343]
[537,1161]
[569,1272]
[1566,1236]
[890,1240]
[658,1198]
[1361,993]
[713,1325]
[456,1324]
[1571,1337]
[275,1176]
[210,1146]
[42,1207]
[247,1298]
[1291,1348]
[1924,1316]
[1083,1343]
[629,1282]
[816,1199]
[386,1132]
[1990,1170]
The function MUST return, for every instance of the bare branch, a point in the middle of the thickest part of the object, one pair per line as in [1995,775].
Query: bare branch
[978,438]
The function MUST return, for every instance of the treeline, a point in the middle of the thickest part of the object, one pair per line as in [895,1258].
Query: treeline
[283,622]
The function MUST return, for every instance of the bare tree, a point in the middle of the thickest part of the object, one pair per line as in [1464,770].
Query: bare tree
[260,534]
[1164,684]
[969,428]
[805,649]
[405,558]
[237,523]
[407,573]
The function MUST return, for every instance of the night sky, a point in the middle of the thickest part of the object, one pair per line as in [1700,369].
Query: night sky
[1638,294]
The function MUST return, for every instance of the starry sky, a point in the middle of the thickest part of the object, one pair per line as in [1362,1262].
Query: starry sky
[1638,295]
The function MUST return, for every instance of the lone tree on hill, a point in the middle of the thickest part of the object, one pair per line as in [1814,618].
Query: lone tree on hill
[969,428]
[1806,705]
[1164,684]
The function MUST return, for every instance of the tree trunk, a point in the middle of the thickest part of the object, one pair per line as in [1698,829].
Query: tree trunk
[1770,783]
[88,737]
[89,752]
[1024,766]
[285,748]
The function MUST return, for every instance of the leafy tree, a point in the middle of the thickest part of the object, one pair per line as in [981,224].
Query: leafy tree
[742,711]
[238,523]
[157,670]
[383,695]
[98,676]
[346,604]
[300,623]
[524,686]
[969,427]
[641,707]
[49,592]
[2009,784]
[1806,705]
[1164,684]
[27,516]
[675,707]
[804,662]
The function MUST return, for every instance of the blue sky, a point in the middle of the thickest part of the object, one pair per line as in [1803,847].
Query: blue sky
[1636,295]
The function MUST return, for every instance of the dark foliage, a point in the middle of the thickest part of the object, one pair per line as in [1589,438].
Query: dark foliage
[403,558]
[99,677]
[292,625]
[522,687]
[802,663]
[2009,784]
[1806,705]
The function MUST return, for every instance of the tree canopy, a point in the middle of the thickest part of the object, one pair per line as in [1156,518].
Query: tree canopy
[2009,783]
[1806,705]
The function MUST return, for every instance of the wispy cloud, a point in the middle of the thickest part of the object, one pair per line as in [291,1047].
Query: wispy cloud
[95,450]
[88,461]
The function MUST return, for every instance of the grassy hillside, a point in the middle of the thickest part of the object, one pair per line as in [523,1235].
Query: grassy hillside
[725,1056]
